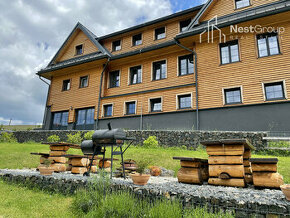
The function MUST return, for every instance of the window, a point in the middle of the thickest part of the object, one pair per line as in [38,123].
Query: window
[155,105]
[274,91]
[242,3]
[229,52]
[184,24]
[135,75]
[108,110]
[66,85]
[79,49]
[186,65]
[160,33]
[159,70]
[268,44]
[114,79]
[116,45]
[137,39]
[130,107]
[184,101]
[85,118]
[233,96]
[60,120]
[83,81]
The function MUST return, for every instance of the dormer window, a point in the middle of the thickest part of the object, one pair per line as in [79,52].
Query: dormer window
[242,3]
[184,24]
[137,39]
[116,45]
[160,33]
[79,49]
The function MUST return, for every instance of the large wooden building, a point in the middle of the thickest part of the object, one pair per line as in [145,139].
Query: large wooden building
[224,65]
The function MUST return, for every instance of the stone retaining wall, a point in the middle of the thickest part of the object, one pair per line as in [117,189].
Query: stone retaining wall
[190,139]
[244,202]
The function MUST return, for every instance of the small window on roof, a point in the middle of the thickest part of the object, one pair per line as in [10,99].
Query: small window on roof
[79,49]
[137,39]
[242,3]
[116,45]
[160,33]
[184,24]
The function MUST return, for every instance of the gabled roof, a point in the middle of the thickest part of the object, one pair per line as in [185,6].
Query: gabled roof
[239,17]
[89,34]
[196,19]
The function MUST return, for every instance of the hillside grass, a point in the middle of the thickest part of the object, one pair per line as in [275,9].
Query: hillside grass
[16,155]
[19,127]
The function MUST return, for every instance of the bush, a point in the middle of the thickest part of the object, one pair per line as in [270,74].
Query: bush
[98,200]
[53,138]
[151,142]
[7,137]
[74,139]
[279,144]
[89,135]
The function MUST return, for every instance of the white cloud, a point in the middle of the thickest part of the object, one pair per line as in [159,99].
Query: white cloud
[32,32]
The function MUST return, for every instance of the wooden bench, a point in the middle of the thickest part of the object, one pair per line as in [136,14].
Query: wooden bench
[193,170]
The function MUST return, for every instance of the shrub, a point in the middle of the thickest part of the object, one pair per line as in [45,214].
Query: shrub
[151,142]
[7,137]
[279,144]
[74,139]
[53,138]
[88,135]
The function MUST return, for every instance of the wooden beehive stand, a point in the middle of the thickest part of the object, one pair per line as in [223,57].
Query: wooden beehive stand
[265,173]
[58,155]
[193,170]
[229,162]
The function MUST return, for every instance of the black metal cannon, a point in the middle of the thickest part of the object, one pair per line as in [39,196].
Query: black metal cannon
[106,138]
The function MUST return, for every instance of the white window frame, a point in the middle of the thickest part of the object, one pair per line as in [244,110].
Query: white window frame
[154,39]
[125,108]
[232,87]
[152,72]
[177,102]
[129,74]
[149,104]
[103,109]
[108,82]
[275,81]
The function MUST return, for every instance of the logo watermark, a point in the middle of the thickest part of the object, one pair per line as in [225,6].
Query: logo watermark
[212,25]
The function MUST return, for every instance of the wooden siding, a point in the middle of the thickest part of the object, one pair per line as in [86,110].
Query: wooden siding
[169,102]
[75,97]
[69,50]
[147,74]
[148,37]
[249,73]
[223,7]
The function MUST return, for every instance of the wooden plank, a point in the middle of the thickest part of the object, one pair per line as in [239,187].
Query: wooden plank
[247,154]
[58,159]
[264,167]
[189,175]
[232,142]
[248,170]
[264,160]
[190,159]
[79,170]
[225,159]
[58,167]
[267,179]
[68,167]
[57,153]
[219,150]
[227,182]
[80,162]
[236,171]
[191,164]
[59,148]
[204,173]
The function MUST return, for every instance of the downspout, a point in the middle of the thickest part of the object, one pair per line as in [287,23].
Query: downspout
[100,93]
[45,112]
[196,79]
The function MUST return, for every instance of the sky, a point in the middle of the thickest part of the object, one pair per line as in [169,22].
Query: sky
[32,31]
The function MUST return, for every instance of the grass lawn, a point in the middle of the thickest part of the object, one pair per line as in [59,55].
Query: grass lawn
[15,155]
[17,201]
[20,127]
